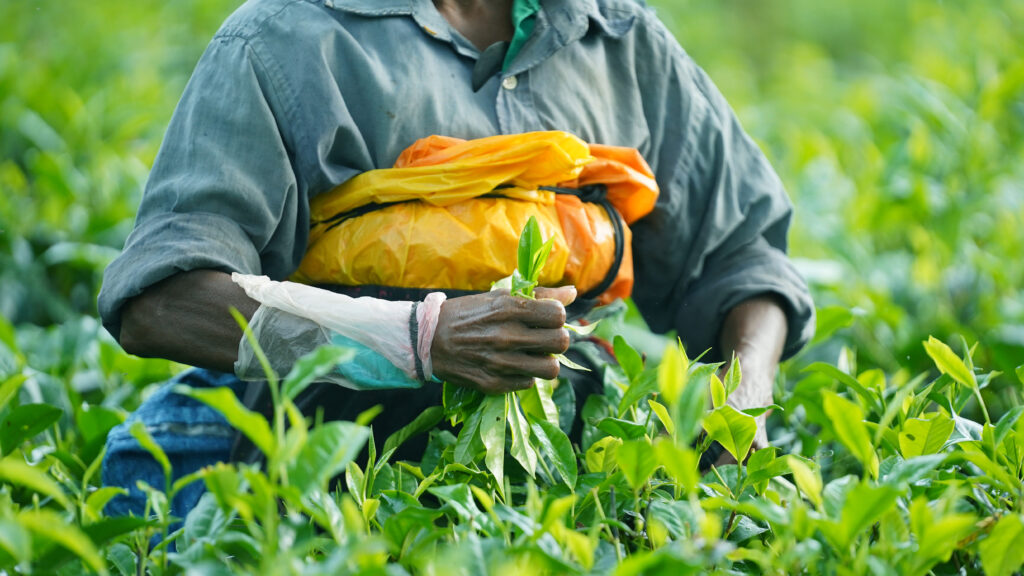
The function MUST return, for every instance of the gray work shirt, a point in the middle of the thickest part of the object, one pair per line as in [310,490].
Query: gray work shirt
[293,97]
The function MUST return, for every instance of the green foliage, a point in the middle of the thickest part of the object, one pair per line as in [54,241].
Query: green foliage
[897,128]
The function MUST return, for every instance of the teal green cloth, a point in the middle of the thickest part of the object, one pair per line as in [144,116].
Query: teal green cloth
[369,370]
[524,14]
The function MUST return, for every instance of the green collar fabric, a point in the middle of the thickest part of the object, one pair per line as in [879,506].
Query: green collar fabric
[524,13]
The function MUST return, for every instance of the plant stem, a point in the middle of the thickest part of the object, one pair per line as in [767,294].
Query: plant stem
[728,525]
[615,516]
[984,409]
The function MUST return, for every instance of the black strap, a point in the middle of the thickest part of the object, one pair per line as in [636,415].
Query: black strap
[598,194]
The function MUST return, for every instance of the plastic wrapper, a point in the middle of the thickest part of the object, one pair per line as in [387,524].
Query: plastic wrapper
[433,221]
[295,319]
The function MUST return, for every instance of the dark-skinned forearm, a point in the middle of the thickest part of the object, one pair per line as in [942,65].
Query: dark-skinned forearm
[186,318]
[755,330]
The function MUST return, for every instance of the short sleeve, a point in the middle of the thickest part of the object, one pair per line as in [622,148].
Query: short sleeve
[718,233]
[222,193]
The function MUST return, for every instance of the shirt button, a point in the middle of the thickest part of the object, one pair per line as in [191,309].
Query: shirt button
[510,83]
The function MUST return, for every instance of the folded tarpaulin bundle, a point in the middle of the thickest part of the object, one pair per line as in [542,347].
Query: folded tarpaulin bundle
[449,214]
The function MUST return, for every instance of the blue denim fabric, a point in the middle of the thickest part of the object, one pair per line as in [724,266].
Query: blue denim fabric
[192,434]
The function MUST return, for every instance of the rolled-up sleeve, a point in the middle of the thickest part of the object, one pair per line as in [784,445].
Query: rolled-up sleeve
[222,193]
[717,236]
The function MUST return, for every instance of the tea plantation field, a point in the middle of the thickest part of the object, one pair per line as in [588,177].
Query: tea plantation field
[897,437]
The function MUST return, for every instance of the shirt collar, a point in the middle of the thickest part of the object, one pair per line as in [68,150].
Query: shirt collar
[570,18]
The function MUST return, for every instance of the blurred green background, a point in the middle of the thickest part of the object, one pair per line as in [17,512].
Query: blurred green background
[897,126]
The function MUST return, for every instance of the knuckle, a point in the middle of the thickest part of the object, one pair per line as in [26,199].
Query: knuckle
[506,308]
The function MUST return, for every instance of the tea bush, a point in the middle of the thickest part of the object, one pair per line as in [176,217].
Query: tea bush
[898,129]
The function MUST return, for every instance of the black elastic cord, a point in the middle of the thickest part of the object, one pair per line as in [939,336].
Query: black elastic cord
[414,339]
[598,194]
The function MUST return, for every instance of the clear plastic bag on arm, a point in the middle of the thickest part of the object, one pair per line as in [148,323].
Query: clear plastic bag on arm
[391,340]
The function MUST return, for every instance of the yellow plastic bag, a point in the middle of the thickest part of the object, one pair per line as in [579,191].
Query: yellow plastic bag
[449,214]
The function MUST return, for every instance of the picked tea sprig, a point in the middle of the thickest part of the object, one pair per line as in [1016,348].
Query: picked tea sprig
[532,255]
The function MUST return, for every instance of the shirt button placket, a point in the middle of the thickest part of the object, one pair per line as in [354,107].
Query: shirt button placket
[514,105]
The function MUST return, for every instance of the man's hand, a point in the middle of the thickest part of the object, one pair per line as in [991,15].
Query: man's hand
[755,330]
[497,343]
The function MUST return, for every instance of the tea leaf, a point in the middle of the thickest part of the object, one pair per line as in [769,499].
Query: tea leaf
[564,361]
[43,523]
[206,520]
[584,329]
[864,505]
[312,366]
[734,376]
[629,359]
[718,393]
[949,363]
[732,429]
[464,446]
[755,412]
[645,385]
[24,422]
[538,401]
[492,434]
[521,286]
[122,557]
[637,462]
[1002,553]
[808,480]
[423,422]
[672,373]
[16,540]
[140,433]
[913,469]
[95,422]
[10,387]
[521,448]
[328,451]
[925,436]
[680,462]
[621,428]
[98,500]
[529,244]
[601,456]
[847,420]
[556,444]
[1007,423]
[662,413]
[830,320]
[541,259]
[459,499]
[850,382]
[691,405]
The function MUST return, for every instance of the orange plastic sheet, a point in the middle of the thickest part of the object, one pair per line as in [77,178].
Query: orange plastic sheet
[452,211]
